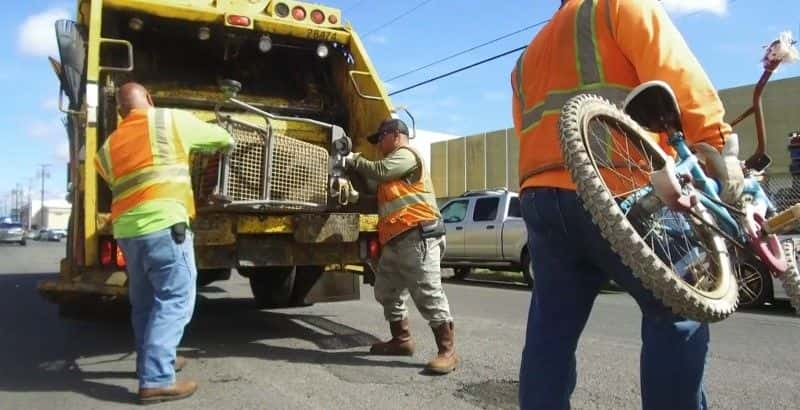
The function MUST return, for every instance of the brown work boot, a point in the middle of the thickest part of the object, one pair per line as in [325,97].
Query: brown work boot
[400,344]
[180,390]
[447,359]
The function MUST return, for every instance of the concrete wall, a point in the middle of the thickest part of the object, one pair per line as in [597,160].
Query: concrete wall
[489,159]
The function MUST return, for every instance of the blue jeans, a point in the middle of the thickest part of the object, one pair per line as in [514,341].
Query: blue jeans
[162,281]
[571,261]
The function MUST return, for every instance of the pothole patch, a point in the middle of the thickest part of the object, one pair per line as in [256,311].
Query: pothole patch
[492,394]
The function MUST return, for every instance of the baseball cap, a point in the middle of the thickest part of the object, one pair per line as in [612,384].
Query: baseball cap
[390,125]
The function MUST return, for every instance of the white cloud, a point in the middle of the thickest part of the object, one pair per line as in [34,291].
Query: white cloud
[695,6]
[62,152]
[50,104]
[37,35]
[378,39]
[45,129]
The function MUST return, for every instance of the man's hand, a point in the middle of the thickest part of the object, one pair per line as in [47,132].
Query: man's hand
[350,160]
[725,166]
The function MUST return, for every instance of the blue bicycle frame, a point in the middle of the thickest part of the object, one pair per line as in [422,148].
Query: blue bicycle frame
[688,164]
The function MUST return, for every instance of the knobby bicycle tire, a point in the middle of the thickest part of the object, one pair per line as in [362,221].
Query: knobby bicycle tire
[660,279]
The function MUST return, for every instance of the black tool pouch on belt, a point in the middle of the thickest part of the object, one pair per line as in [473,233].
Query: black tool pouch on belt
[431,229]
[178,232]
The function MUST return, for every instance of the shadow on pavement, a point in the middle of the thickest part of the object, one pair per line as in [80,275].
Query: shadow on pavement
[40,351]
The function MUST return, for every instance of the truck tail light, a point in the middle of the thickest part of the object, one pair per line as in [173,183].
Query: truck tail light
[241,21]
[317,16]
[106,251]
[333,19]
[374,248]
[111,254]
[299,13]
[120,258]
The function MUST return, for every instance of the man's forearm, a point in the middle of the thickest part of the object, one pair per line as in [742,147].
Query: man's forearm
[390,168]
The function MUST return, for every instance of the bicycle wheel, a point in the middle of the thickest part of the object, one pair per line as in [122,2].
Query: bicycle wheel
[680,257]
[791,278]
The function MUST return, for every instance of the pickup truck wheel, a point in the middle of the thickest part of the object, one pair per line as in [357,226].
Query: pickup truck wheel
[272,286]
[461,273]
[527,269]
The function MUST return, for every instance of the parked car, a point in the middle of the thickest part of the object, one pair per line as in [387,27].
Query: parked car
[12,232]
[756,284]
[485,230]
[56,235]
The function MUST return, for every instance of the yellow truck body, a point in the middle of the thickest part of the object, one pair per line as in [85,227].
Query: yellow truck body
[298,64]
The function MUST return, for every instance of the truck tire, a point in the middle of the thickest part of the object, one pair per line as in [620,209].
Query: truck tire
[271,286]
[527,269]
[206,277]
[755,283]
[305,277]
[461,273]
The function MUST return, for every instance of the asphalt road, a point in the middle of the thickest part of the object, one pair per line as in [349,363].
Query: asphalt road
[314,358]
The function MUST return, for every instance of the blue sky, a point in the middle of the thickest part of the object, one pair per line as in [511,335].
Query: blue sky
[726,35]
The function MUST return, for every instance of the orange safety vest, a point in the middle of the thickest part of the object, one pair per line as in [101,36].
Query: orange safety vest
[603,47]
[144,160]
[404,203]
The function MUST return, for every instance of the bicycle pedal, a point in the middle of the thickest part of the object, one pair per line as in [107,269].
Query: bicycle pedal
[784,221]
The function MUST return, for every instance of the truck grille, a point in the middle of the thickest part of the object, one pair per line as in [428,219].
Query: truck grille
[274,172]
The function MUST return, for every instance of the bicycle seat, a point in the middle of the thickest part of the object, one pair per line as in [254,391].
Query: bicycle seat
[653,105]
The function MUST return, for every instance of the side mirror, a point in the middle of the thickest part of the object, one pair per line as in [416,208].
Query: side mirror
[230,87]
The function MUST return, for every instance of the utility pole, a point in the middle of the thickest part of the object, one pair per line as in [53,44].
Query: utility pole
[43,174]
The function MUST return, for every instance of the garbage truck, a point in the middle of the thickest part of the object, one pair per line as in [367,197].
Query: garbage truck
[296,89]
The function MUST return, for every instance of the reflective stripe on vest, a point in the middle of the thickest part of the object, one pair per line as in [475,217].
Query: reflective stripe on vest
[149,176]
[167,178]
[412,198]
[591,81]
[402,205]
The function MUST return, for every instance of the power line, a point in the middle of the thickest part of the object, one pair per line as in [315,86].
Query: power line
[468,50]
[392,21]
[495,57]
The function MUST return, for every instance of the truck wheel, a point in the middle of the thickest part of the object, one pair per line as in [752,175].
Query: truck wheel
[23,243]
[207,276]
[271,286]
[305,277]
[755,283]
[461,273]
[527,269]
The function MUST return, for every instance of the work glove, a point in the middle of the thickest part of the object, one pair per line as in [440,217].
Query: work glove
[725,167]
[350,160]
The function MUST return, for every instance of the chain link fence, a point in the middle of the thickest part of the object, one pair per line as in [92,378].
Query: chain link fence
[783,189]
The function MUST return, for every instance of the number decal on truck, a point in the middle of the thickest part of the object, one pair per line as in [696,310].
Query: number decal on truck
[315,34]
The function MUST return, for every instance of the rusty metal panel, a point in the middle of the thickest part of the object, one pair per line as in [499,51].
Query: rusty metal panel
[513,160]
[496,168]
[283,250]
[439,168]
[456,167]
[213,229]
[326,228]
[476,161]
[334,287]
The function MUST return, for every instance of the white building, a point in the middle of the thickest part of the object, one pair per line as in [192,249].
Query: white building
[54,214]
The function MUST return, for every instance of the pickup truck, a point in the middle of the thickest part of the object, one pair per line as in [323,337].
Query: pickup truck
[485,230]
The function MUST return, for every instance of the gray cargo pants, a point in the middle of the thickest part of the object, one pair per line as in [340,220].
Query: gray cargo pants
[411,265]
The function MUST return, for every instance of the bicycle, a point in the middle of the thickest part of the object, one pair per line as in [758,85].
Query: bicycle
[664,216]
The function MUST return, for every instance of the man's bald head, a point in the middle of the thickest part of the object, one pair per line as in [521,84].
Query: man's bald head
[132,96]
